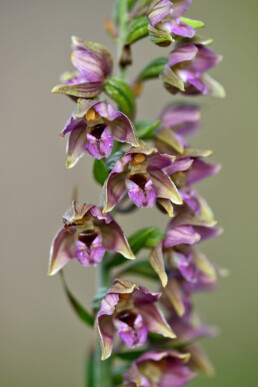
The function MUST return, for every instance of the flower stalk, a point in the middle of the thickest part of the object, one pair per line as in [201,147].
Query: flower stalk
[141,164]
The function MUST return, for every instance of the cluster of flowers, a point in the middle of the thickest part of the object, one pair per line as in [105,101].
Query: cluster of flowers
[158,170]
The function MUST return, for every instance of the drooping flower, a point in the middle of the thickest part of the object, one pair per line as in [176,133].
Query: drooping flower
[129,309]
[93,126]
[140,173]
[168,368]
[177,121]
[86,235]
[194,222]
[187,67]
[93,63]
[165,23]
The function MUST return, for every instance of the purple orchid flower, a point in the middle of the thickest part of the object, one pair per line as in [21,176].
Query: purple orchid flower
[189,166]
[194,222]
[165,23]
[186,70]
[86,235]
[189,330]
[94,64]
[93,126]
[166,368]
[178,121]
[140,173]
[129,309]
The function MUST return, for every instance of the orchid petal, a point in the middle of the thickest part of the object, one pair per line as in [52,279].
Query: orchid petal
[76,146]
[164,187]
[157,262]
[62,251]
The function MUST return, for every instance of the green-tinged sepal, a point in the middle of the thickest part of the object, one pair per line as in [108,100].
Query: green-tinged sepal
[170,79]
[153,69]
[138,29]
[81,312]
[157,262]
[141,268]
[79,90]
[192,22]
[122,94]
[160,38]
[216,89]
[146,128]
[100,171]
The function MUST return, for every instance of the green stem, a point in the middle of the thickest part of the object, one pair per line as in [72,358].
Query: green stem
[122,4]
[102,369]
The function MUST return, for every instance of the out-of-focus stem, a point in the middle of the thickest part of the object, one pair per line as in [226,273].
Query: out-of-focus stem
[122,4]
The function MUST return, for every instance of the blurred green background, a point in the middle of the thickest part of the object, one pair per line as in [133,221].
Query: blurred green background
[42,342]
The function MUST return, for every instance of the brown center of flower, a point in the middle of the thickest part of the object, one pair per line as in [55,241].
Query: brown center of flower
[127,317]
[91,115]
[138,158]
[97,131]
[139,179]
[87,237]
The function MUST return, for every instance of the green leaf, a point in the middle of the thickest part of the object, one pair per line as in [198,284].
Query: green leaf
[81,312]
[138,29]
[96,303]
[154,238]
[142,268]
[146,238]
[100,171]
[153,69]
[122,94]
[130,355]
[90,370]
[146,128]
[192,23]
[111,161]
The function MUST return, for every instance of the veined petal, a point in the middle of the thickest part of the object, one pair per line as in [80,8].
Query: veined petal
[104,325]
[113,239]
[62,251]
[158,161]
[155,321]
[183,53]
[183,118]
[179,165]
[179,7]
[158,11]
[182,29]
[79,90]
[157,262]
[204,60]
[72,124]
[175,296]
[164,187]
[181,234]
[87,65]
[201,170]
[114,190]
[98,51]
[76,146]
